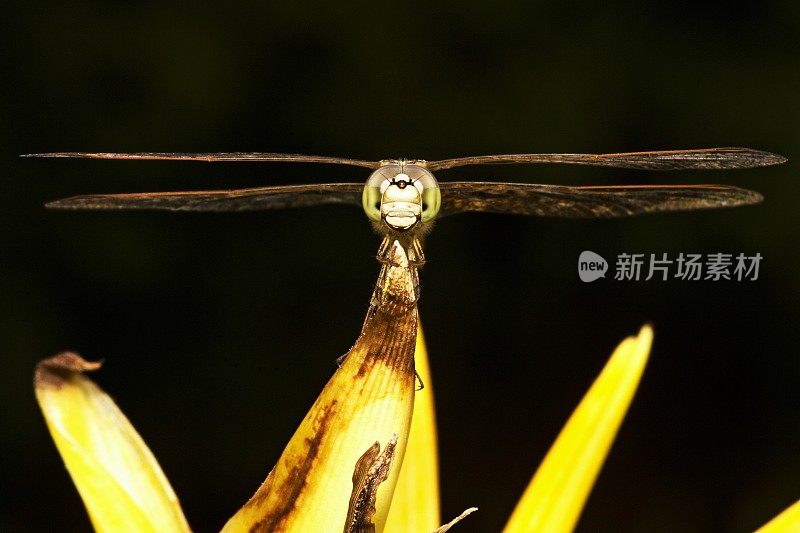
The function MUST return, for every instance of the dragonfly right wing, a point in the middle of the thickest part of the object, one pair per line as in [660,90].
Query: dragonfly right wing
[255,199]
[704,158]
[587,202]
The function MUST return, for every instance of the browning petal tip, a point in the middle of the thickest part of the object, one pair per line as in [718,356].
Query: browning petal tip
[55,370]
[371,469]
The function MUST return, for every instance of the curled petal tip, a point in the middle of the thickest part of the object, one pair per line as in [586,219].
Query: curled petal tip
[54,370]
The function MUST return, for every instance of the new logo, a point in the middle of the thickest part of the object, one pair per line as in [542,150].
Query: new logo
[591,266]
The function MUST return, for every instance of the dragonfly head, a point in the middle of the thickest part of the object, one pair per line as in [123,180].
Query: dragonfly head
[401,196]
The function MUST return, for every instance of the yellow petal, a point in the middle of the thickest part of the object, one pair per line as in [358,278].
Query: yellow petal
[415,506]
[368,400]
[788,520]
[117,476]
[557,493]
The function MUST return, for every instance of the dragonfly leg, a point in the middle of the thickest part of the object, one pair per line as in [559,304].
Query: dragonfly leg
[418,379]
[412,247]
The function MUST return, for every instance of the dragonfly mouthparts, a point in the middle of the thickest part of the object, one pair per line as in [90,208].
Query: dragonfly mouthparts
[401,215]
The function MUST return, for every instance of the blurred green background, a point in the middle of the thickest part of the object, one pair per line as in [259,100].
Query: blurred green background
[218,331]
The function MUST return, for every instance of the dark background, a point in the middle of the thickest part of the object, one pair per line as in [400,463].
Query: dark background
[218,331]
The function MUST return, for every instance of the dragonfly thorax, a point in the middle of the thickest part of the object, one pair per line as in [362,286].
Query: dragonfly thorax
[401,197]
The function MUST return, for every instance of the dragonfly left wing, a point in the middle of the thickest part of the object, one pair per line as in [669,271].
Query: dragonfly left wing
[212,157]
[256,199]
[586,202]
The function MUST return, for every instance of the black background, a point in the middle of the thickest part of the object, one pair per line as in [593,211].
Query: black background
[219,330]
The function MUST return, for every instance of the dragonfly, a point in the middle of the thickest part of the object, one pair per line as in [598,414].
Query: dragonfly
[403,199]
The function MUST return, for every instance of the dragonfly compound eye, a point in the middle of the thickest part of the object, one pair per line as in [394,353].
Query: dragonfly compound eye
[373,191]
[430,195]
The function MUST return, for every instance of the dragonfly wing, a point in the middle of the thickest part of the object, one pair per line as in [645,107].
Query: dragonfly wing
[213,157]
[587,202]
[256,199]
[705,158]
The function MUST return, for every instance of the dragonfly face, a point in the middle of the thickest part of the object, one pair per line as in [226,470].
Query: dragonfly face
[401,196]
